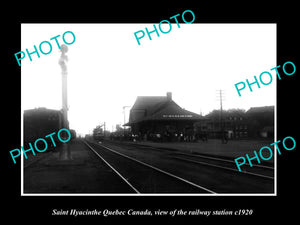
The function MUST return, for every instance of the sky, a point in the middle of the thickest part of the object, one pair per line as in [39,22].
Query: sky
[107,69]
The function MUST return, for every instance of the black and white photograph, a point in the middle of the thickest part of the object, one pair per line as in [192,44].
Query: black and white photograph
[176,114]
[162,117]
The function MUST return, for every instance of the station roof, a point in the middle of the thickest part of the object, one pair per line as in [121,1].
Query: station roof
[159,108]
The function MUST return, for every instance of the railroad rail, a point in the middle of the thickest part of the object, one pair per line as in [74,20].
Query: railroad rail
[135,172]
[213,172]
[264,171]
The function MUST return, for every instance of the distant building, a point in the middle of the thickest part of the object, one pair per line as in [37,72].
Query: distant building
[40,122]
[261,121]
[257,122]
[233,122]
[160,118]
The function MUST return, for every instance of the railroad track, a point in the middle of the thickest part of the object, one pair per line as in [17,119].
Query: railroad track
[142,177]
[133,169]
[226,164]
[259,170]
[214,173]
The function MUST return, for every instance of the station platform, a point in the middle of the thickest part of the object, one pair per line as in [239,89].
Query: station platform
[80,172]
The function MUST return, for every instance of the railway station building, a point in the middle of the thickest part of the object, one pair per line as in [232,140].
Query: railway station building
[159,118]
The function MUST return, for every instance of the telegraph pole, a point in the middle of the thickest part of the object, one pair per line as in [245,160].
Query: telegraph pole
[104,127]
[124,112]
[224,139]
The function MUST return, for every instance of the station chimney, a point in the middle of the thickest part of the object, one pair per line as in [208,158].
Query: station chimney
[169,96]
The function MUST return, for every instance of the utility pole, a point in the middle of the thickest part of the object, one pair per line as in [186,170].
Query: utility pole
[224,139]
[104,126]
[124,112]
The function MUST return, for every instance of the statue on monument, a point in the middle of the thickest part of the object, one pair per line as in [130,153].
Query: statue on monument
[63,58]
